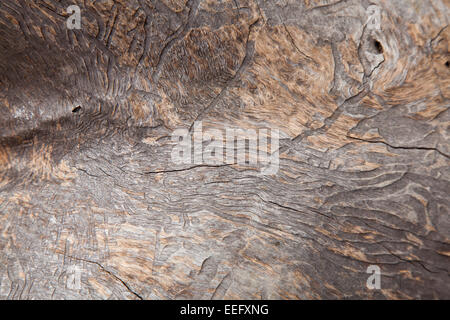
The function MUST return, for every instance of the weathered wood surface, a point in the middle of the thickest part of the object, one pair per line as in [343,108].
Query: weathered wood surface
[364,173]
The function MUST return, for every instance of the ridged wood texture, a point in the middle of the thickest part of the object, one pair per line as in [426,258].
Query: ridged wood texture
[364,173]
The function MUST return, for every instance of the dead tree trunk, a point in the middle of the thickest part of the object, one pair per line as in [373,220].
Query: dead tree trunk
[93,206]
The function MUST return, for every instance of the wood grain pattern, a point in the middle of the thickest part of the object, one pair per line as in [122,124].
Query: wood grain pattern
[86,177]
